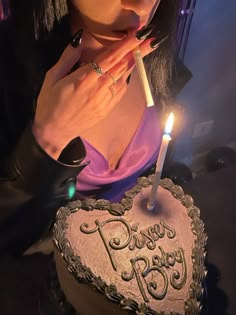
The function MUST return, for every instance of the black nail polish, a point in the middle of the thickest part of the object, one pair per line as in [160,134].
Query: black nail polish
[144,32]
[158,41]
[128,79]
[76,39]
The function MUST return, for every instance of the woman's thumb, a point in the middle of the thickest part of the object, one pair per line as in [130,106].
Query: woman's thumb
[69,57]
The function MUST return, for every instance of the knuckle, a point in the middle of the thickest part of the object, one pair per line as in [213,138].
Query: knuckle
[50,74]
[81,85]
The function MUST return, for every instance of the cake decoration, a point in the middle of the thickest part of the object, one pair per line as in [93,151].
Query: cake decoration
[136,238]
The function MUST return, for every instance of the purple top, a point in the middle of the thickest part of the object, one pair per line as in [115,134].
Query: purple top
[97,179]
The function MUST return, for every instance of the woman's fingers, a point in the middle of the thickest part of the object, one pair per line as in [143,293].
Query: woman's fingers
[82,77]
[128,62]
[116,53]
[121,85]
[113,94]
[117,90]
[106,60]
[69,57]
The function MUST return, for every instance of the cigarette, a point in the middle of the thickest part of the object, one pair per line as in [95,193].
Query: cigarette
[143,77]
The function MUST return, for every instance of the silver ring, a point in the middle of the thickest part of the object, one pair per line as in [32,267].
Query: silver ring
[112,89]
[111,76]
[97,68]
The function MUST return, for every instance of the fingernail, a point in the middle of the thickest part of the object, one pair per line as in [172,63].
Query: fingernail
[158,41]
[128,79]
[144,32]
[76,39]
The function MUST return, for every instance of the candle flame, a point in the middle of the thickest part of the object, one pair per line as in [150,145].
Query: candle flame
[169,123]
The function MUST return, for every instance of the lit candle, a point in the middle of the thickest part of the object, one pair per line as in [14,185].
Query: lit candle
[143,77]
[160,161]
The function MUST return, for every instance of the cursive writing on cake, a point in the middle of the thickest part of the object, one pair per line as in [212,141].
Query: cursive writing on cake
[159,262]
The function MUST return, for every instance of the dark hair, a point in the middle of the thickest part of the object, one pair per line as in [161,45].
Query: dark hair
[38,18]
[41,14]
[160,63]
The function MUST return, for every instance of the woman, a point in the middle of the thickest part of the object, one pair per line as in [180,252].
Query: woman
[63,105]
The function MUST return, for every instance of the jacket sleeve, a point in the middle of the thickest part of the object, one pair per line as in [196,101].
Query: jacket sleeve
[33,187]
[32,184]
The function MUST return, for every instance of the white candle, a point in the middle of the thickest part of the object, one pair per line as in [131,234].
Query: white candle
[160,161]
[143,77]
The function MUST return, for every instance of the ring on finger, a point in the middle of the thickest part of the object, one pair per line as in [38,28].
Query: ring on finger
[111,76]
[112,89]
[97,68]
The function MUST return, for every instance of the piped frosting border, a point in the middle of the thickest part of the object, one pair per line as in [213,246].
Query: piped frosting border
[84,274]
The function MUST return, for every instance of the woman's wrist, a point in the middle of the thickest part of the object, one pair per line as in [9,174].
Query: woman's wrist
[45,143]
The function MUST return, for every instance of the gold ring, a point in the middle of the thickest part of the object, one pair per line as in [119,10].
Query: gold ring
[111,76]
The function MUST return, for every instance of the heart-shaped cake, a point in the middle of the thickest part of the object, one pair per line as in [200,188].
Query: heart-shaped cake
[117,258]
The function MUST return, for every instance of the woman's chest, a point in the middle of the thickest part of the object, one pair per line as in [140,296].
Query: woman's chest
[112,136]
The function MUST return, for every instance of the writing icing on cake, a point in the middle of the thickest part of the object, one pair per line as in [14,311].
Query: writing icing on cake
[147,262]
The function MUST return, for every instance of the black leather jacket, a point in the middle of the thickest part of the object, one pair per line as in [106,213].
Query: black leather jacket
[32,184]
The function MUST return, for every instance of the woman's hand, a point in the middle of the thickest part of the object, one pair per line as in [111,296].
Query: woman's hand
[70,104]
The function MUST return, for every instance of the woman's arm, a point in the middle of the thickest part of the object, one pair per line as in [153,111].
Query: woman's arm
[32,187]
[32,184]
